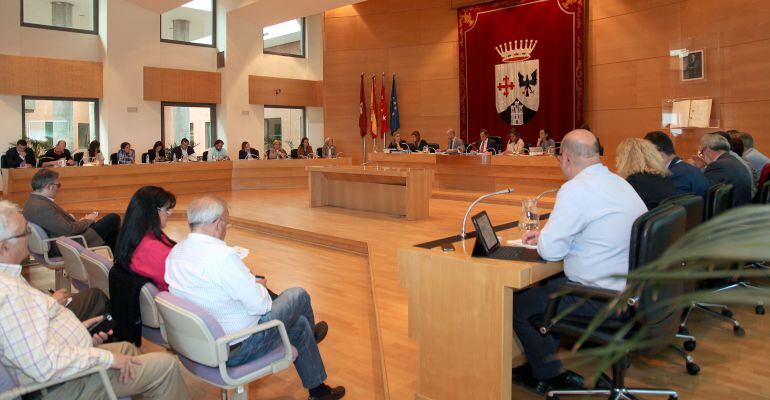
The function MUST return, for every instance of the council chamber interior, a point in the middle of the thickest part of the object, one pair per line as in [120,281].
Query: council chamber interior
[436,199]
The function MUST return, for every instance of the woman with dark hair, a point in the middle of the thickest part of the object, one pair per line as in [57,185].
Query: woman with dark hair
[545,140]
[157,154]
[418,143]
[142,246]
[247,153]
[305,150]
[95,153]
[515,143]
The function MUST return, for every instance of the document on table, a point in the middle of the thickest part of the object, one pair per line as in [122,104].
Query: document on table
[518,243]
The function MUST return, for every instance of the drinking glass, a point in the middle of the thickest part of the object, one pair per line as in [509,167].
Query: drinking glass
[529,216]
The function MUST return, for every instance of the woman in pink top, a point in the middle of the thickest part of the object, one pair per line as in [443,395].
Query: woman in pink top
[142,246]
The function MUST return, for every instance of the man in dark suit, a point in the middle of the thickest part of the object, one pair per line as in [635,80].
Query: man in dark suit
[20,156]
[686,177]
[183,150]
[484,145]
[723,168]
[41,209]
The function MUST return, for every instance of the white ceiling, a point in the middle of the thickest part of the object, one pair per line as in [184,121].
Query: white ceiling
[159,6]
[270,12]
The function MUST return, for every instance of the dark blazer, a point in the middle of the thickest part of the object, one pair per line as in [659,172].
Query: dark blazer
[51,156]
[13,159]
[652,189]
[151,155]
[254,154]
[491,144]
[56,222]
[419,146]
[688,178]
[178,152]
[125,286]
[401,146]
[727,169]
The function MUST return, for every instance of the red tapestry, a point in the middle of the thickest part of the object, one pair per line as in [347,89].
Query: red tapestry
[521,64]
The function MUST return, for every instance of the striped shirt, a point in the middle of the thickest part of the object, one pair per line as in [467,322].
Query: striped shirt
[39,339]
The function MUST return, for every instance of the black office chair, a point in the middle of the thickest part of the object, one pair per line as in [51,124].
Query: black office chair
[719,198]
[294,153]
[3,164]
[763,194]
[433,147]
[78,157]
[652,234]
[320,152]
[496,142]
[206,155]
[144,158]
[114,158]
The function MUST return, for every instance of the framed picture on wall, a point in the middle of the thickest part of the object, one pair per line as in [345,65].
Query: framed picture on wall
[693,66]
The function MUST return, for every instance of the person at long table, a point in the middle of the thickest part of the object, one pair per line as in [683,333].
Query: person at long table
[20,156]
[396,143]
[51,157]
[454,143]
[277,152]
[247,153]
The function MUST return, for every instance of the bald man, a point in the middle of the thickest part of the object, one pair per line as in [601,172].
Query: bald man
[590,230]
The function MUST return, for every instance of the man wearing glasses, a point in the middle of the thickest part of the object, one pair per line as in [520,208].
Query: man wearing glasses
[41,209]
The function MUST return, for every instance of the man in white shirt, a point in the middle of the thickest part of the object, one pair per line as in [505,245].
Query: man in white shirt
[42,341]
[590,229]
[755,158]
[218,152]
[206,271]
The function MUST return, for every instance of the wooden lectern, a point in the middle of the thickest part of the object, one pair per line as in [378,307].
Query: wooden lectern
[461,312]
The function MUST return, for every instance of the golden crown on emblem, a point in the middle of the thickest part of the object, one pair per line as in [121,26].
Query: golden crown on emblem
[517,50]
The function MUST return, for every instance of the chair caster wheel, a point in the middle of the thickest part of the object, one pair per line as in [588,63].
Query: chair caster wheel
[727,312]
[673,398]
[760,310]
[739,331]
[689,345]
[692,368]
[684,331]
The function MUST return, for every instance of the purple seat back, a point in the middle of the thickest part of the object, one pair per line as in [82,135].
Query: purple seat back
[6,380]
[98,270]
[70,251]
[37,244]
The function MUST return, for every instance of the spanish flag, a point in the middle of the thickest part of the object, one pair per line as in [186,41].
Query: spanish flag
[374,114]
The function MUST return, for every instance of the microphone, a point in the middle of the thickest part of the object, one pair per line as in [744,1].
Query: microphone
[493,150]
[469,146]
[468,212]
[545,193]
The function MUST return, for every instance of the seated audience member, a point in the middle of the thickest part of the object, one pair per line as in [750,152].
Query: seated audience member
[305,150]
[736,151]
[247,153]
[590,229]
[157,153]
[545,141]
[20,156]
[756,159]
[418,143]
[685,177]
[218,152]
[329,150]
[276,152]
[42,210]
[484,145]
[126,155]
[94,154]
[396,143]
[142,246]
[42,341]
[721,167]
[183,151]
[206,271]
[52,156]
[454,143]
[639,162]
[515,144]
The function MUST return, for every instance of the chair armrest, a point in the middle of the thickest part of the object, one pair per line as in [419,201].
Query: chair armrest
[223,349]
[103,251]
[574,289]
[53,240]
[22,390]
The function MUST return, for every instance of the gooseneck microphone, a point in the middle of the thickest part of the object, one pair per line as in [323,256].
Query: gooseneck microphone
[468,212]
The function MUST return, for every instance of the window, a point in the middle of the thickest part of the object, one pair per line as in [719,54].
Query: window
[286,124]
[193,23]
[196,122]
[68,15]
[285,39]
[49,120]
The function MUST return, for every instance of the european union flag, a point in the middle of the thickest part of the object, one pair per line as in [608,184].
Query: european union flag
[394,123]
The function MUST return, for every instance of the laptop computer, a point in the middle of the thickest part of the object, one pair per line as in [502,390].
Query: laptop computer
[487,244]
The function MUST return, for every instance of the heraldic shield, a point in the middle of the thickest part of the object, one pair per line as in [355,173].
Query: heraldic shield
[517,94]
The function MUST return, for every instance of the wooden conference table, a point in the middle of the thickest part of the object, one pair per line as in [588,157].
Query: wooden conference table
[528,175]
[81,184]
[461,313]
[389,190]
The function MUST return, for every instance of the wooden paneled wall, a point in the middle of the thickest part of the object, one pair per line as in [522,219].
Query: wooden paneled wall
[630,70]
[416,40]
[285,92]
[34,76]
[184,86]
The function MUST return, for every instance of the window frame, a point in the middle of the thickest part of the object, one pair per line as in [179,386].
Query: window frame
[52,98]
[304,118]
[213,30]
[303,44]
[94,31]
[213,112]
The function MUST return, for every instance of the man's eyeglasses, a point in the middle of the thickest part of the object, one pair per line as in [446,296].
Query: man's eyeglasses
[27,232]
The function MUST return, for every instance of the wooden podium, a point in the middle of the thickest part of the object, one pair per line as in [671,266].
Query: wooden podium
[395,191]
[461,313]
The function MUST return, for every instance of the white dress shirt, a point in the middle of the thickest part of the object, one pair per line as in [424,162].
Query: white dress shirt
[209,273]
[590,227]
[516,147]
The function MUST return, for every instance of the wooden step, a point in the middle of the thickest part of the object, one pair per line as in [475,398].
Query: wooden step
[513,199]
